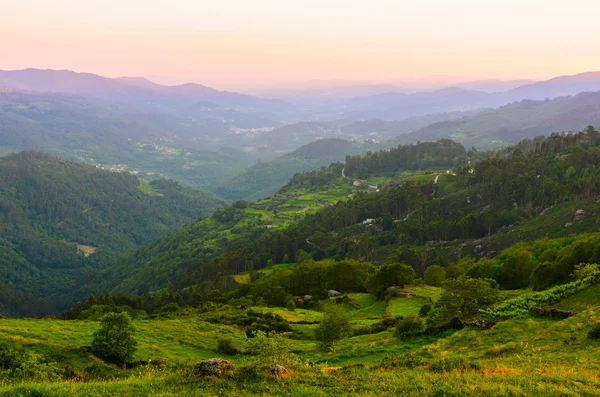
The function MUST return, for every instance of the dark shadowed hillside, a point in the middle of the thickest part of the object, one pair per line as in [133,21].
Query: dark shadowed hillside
[62,222]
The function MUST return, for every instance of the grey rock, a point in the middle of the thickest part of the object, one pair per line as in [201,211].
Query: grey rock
[211,367]
[279,369]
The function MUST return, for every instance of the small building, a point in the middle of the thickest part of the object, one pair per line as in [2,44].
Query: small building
[356,182]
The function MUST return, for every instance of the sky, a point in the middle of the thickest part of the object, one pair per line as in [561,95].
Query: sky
[261,43]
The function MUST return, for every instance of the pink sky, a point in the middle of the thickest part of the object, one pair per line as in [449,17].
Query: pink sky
[243,43]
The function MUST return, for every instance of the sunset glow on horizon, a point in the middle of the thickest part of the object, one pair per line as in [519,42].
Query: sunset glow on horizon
[229,43]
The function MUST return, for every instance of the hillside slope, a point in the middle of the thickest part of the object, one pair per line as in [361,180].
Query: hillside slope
[196,146]
[515,122]
[62,222]
[263,179]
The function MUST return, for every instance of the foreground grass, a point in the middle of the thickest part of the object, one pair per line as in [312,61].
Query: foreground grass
[351,381]
[530,356]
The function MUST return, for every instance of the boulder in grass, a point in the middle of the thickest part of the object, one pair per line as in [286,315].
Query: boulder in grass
[212,367]
[279,369]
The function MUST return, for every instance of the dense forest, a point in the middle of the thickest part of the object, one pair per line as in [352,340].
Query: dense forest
[443,153]
[500,192]
[63,222]
[411,221]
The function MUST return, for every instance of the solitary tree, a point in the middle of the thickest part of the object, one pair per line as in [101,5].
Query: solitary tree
[463,297]
[114,341]
[434,275]
[334,326]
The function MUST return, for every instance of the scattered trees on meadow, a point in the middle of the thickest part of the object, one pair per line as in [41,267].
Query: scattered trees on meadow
[334,326]
[389,274]
[114,341]
[462,298]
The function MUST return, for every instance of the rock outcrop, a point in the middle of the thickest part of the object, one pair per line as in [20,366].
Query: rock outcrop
[212,367]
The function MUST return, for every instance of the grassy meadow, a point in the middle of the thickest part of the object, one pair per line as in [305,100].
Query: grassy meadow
[535,356]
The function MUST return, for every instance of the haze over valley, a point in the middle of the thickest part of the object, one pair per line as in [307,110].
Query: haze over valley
[299,199]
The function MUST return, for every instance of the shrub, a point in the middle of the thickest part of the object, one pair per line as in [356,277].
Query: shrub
[425,309]
[291,306]
[362,330]
[520,306]
[408,326]
[334,326]
[248,372]
[434,275]
[225,345]
[594,333]
[114,341]
[270,349]
[501,349]
[452,363]
[9,356]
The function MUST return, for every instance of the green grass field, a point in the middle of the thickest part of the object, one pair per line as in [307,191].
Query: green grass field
[530,356]
[524,356]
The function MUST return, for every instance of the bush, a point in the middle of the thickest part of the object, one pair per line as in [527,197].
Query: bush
[290,305]
[594,333]
[248,372]
[434,275]
[362,330]
[9,356]
[409,326]
[501,349]
[425,309]
[225,345]
[334,326]
[114,341]
[520,306]
[452,363]
[270,350]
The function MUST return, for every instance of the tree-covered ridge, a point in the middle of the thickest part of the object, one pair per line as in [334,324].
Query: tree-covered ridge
[461,207]
[62,222]
[265,178]
[443,153]
[239,224]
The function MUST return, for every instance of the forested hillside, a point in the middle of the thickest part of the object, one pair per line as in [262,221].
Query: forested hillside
[408,157]
[62,222]
[264,178]
[531,191]
[230,230]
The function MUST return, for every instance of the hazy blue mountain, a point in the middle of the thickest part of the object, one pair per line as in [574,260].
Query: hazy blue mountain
[131,90]
[398,105]
[515,122]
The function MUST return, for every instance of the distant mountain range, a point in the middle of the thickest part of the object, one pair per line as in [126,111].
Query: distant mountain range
[131,90]
[393,105]
[515,122]
[321,102]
